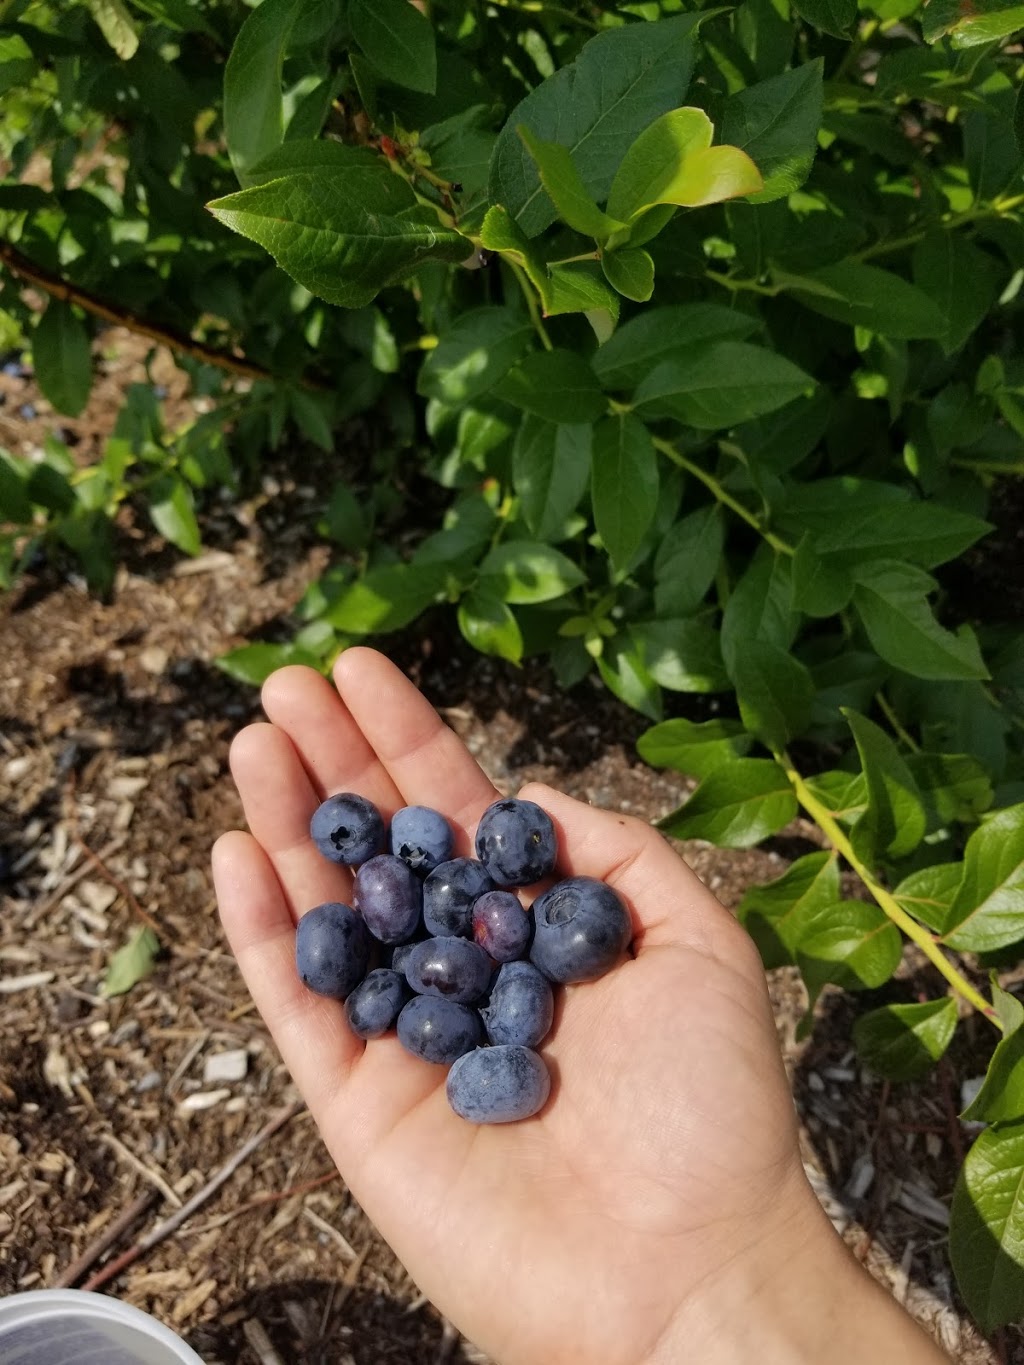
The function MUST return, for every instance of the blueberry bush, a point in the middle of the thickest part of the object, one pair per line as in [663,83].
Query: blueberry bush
[690,343]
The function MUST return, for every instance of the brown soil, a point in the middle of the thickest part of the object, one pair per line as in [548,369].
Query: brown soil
[114,727]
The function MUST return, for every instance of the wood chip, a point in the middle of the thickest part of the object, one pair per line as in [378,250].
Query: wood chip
[923,1205]
[329,1230]
[259,1343]
[191,1302]
[10,984]
[221,1068]
[202,1099]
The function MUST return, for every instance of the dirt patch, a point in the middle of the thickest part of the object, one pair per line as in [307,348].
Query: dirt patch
[114,728]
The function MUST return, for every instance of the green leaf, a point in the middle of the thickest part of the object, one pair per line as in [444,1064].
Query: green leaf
[955,787]
[658,334]
[478,349]
[131,963]
[673,162]
[891,599]
[821,585]
[173,513]
[831,16]
[903,1042]
[557,385]
[550,470]
[522,571]
[630,271]
[687,560]
[1001,1096]
[61,358]
[929,893]
[737,806]
[17,67]
[988,909]
[682,655]
[844,795]
[253,104]
[960,278]
[624,485]
[254,663]
[15,504]
[656,159]
[776,123]
[561,179]
[489,626]
[721,385]
[760,607]
[986,1227]
[984,21]
[345,521]
[386,598]
[852,520]
[48,487]
[773,914]
[116,25]
[397,40]
[775,693]
[595,106]
[693,748]
[310,414]
[623,671]
[343,241]
[894,823]
[865,296]
[850,944]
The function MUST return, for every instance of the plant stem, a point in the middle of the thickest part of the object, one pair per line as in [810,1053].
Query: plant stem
[885,900]
[531,304]
[539,7]
[709,481]
[571,260]
[736,284]
[999,208]
[882,701]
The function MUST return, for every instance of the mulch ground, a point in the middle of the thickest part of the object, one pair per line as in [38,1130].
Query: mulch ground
[114,729]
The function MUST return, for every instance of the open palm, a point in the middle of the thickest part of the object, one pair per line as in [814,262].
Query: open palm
[666,1153]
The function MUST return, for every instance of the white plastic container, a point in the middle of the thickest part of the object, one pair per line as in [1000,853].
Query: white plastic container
[71,1327]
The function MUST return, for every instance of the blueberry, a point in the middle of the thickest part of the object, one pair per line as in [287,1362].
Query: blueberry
[438,1030]
[449,893]
[332,949]
[521,1006]
[515,841]
[400,956]
[421,837]
[347,829]
[376,1003]
[452,967]
[581,927]
[501,926]
[389,898]
[498,1085]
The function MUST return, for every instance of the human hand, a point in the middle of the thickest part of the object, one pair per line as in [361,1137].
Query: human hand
[656,1208]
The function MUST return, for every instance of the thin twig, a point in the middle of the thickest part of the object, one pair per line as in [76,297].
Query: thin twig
[61,289]
[72,879]
[110,1234]
[147,1172]
[163,1230]
[97,862]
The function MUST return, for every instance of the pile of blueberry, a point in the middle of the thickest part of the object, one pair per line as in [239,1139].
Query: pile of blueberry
[465,972]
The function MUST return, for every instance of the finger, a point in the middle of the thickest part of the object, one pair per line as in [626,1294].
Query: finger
[336,755]
[311,1032]
[428,763]
[668,901]
[278,800]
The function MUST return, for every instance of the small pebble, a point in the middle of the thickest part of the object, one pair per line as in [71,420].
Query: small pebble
[222,1067]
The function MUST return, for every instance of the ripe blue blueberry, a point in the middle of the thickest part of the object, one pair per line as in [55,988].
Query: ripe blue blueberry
[376,1003]
[581,928]
[438,1030]
[347,829]
[515,841]
[501,926]
[498,1085]
[452,967]
[420,837]
[521,1006]
[449,893]
[389,897]
[332,949]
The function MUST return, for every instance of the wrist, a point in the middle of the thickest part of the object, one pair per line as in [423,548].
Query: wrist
[797,1297]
